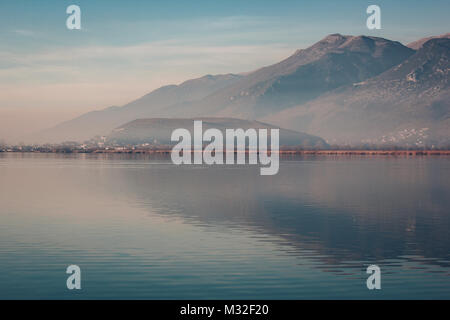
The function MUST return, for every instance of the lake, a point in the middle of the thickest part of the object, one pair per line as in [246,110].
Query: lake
[140,227]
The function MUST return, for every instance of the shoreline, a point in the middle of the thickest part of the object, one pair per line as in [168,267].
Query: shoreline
[281,152]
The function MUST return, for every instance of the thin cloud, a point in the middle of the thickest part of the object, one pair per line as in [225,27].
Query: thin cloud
[25,33]
[130,59]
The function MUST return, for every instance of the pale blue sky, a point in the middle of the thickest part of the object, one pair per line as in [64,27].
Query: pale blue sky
[128,48]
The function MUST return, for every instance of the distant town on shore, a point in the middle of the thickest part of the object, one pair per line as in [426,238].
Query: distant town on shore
[100,145]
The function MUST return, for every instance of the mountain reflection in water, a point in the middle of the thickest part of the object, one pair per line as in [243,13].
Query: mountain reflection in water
[325,217]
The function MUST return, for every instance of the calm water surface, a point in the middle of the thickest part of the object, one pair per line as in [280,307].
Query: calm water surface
[140,227]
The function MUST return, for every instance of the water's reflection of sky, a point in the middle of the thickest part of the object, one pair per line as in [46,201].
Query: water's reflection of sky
[162,231]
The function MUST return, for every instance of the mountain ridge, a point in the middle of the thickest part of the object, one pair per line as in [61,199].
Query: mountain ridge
[416,45]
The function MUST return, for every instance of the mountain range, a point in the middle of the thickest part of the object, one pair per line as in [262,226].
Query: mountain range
[346,89]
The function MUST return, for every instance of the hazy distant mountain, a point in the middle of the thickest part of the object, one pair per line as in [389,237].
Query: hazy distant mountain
[416,45]
[159,131]
[406,105]
[103,121]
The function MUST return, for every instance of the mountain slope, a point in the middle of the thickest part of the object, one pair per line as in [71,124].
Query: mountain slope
[159,131]
[406,105]
[334,61]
